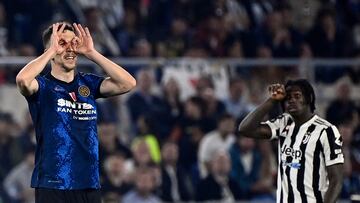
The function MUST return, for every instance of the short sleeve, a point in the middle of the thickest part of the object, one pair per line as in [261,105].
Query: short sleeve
[35,97]
[331,141]
[94,82]
[276,125]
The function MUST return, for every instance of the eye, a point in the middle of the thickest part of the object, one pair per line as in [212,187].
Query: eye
[297,96]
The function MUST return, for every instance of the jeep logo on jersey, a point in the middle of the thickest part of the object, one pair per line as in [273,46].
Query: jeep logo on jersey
[295,154]
[84,91]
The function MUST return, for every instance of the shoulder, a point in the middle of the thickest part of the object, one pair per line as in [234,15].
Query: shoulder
[285,117]
[322,122]
[88,76]
[210,137]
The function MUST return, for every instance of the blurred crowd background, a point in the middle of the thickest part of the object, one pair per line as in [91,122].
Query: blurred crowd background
[159,146]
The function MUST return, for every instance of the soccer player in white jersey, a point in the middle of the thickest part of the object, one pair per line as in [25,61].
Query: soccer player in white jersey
[310,148]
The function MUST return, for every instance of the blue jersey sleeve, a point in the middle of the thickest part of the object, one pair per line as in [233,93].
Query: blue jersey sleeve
[94,82]
[35,96]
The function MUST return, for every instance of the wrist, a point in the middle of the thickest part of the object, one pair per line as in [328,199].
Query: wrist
[51,51]
[91,54]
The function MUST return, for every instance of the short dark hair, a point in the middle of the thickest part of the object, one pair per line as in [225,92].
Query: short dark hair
[48,32]
[306,89]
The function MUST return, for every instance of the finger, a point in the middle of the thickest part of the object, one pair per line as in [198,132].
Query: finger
[61,30]
[87,31]
[54,28]
[82,30]
[77,29]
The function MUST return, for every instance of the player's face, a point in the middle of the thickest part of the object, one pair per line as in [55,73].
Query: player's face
[67,59]
[295,103]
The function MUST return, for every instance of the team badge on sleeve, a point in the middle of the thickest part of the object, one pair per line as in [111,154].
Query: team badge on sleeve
[84,91]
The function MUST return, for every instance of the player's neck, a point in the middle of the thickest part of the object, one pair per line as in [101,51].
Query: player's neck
[62,74]
[301,119]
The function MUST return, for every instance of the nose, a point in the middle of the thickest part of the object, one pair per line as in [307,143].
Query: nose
[70,48]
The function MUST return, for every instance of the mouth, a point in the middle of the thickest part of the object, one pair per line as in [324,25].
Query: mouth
[292,108]
[70,58]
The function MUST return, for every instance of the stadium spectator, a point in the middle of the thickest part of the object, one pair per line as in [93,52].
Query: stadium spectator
[148,135]
[142,101]
[218,185]
[16,183]
[103,39]
[214,107]
[342,107]
[141,155]
[109,142]
[236,103]
[222,138]
[192,127]
[175,183]
[170,109]
[251,169]
[176,42]
[328,40]
[144,187]
[116,179]
[351,183]
[283,40]
[128,32]
[10,152]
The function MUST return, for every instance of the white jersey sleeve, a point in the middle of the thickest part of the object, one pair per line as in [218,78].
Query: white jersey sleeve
[331,142]
[277,125]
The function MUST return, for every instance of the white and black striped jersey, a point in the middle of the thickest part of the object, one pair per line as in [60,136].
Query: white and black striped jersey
[304,153]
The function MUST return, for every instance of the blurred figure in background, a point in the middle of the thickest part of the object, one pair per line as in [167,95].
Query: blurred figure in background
[116,180]
[17,182]
[191,129]
[351,183]
[103,39]
[143,101]
[251,169]
[144,187]
[177,41]
[221,138]
[275,34]
[327,39]
[10,151]
[109,142]
[236,103]
[218,185]
[175,183]
[214,107]
[342,107]
[148,135]
[171,109]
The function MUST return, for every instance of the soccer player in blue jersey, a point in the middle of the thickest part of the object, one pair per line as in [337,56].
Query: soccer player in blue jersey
[63,109]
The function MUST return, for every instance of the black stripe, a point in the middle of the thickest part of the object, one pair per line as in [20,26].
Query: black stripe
[289,160]
[278,133]
[333,146]
[321,122]
[301,170]
[316,170]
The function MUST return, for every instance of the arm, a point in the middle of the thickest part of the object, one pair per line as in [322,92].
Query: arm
[119,80]
[251,125]
[25,79]
[335,174]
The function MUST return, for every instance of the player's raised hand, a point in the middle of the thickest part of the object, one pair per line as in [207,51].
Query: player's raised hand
[84,42]
[55,39]
[277,92]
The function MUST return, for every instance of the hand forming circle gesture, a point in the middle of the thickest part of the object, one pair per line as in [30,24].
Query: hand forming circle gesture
[277,92]
[84,41]
[55,39]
